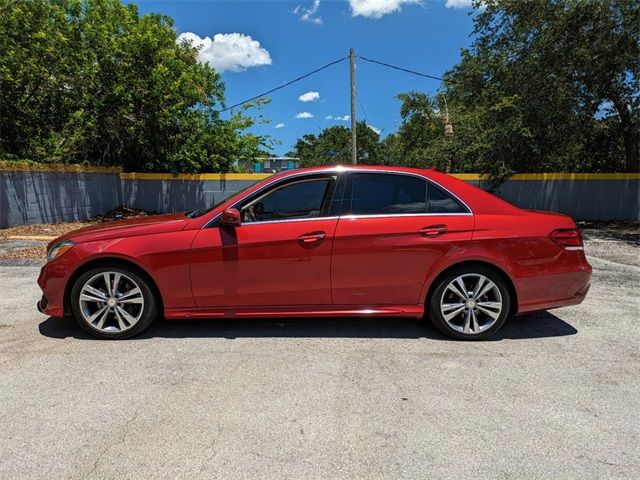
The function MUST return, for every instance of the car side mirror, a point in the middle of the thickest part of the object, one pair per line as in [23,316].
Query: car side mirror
[230,218]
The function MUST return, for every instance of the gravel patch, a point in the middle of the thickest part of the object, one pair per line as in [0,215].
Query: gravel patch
[47,229]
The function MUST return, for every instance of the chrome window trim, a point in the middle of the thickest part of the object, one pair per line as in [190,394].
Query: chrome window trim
[338,170]
[311,219]
[400,215]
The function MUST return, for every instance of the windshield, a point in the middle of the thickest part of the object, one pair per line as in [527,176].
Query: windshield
[199,213]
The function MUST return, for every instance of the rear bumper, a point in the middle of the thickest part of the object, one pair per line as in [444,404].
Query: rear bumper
[550,304]
[561,289]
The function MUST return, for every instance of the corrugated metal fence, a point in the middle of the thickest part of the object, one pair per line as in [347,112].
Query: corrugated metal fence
[28,197]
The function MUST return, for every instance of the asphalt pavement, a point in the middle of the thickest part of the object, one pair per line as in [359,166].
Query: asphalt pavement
[553,395]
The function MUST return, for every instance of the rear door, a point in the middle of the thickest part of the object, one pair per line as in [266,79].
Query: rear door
[393,228]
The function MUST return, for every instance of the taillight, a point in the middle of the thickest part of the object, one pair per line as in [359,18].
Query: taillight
[567,238]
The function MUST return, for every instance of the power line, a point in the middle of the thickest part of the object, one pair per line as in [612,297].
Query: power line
[433,77]
[362,108]
[284,85]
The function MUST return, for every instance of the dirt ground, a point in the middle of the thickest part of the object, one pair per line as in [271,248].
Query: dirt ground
[41,234]
[44,230]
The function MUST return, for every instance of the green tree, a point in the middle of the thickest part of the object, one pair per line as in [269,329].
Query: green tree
[419,142]
[550,85]
[92,81]
[332,146]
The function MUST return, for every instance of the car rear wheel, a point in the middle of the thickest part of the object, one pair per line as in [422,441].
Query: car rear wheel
[113,302]
[469,303]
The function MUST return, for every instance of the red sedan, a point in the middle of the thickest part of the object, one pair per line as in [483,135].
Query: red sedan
[328,241]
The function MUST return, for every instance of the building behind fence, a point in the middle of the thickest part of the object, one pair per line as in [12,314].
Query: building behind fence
[268,165]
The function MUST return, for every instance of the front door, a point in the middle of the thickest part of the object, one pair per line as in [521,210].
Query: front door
[279,256]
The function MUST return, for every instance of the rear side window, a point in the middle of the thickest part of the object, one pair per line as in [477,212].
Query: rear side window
[442,202]
[379,194]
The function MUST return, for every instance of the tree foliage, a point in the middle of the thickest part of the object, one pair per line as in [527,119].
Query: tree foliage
[419,141]
[92,81]
[332,146]
[549,85]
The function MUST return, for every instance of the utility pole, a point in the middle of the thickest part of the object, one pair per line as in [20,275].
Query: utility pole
[352,75]
[448,134]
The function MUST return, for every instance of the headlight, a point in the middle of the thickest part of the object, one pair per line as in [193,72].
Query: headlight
[59,249]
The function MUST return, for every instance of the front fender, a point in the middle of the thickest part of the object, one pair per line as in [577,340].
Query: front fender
[164,257]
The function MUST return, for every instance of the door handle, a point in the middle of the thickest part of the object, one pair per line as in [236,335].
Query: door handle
[312,237]
[433,230]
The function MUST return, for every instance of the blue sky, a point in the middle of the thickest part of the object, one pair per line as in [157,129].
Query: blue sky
[276,41]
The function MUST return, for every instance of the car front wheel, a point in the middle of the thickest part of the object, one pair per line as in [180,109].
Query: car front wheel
[469,303]
[113,302]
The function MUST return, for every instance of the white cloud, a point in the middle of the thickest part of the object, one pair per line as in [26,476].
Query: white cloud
[375,129]
[377,8]
[458,3]
[309,96]
[337,118]
[280,125]
[309,14]
[304,115]
[233,52]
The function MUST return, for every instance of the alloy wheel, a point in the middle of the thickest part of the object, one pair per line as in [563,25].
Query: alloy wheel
[111,302]
[471,303]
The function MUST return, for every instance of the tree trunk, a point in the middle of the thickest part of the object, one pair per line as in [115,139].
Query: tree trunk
[630,135]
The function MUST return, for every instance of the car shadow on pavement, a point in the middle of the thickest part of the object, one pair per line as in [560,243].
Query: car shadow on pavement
[536,325]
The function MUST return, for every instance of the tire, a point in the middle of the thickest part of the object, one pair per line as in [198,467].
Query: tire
[112,315]
[475,312]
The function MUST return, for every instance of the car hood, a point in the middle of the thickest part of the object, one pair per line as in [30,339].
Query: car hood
[128,228]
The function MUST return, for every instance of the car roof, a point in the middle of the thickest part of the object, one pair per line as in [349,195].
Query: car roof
[346,168]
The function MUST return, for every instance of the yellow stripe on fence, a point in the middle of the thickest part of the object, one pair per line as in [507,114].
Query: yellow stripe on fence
[554,176]
[59,168]
[6,166]
[195,176]
[461,176]
[576,176]
[468,176]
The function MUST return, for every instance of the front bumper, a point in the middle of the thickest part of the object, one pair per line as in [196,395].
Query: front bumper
[53,279]
[42,304]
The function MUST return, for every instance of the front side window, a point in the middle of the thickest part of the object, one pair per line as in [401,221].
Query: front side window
[388,194]
[302,199]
